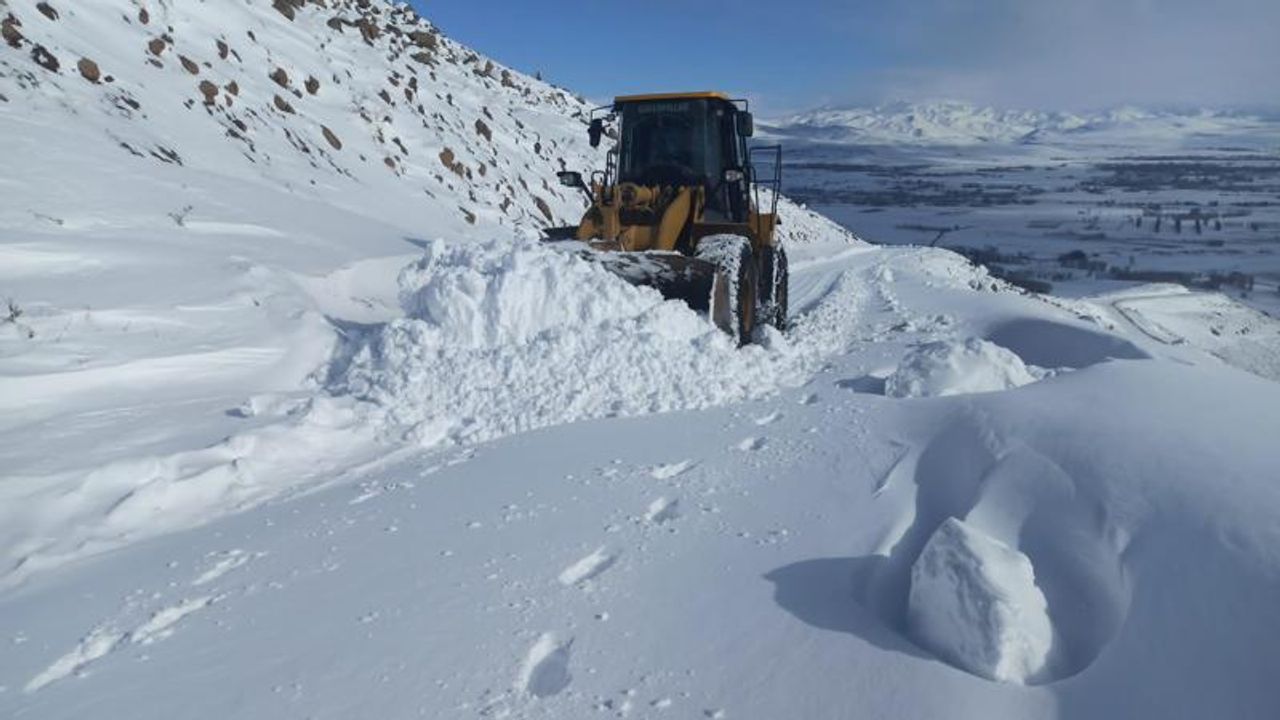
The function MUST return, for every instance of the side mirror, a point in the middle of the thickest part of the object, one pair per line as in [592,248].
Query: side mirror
[746,124]
[569,178]
[595,130]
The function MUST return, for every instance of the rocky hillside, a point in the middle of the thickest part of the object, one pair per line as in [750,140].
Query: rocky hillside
[351,101]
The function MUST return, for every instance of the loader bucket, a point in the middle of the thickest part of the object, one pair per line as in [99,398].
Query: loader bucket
[678,277]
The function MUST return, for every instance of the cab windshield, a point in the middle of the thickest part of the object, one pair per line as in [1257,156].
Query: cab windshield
[670,142]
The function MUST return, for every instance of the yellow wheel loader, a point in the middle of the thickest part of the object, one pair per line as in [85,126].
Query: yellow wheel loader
[677,207]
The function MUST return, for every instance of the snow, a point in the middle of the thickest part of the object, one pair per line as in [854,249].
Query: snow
[340,440]
[958,124]
[500,337]
[974,601]
[951,368]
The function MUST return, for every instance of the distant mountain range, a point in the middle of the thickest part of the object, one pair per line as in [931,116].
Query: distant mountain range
[957,123]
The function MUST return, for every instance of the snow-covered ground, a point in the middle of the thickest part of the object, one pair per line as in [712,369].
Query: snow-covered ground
[1074,205]
[304,433]
[959,123]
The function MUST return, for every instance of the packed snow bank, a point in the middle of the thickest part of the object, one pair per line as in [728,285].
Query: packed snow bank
[506,336]
[974,601]
[478,296]
[955,367]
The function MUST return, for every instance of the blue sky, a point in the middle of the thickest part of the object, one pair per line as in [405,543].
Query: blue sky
[797,54]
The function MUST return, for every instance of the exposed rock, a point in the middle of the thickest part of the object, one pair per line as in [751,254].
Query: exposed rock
[448,160]
[233,87]
[312,85]
[483,130]
[422,57]
[9,31]
[369,30]
[189,65]
[331,138]
[45,59]
[280,77]
[144,17]
[209,91]
[385,96]
[543,208]
[284,7]
[424,39]
[89,70]
[47,10]
[223,50]
[283,105]
[157,46]
[470,216]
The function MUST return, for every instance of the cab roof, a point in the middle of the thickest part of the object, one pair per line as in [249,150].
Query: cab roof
[702,95]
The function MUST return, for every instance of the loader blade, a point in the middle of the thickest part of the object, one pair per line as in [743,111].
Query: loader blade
[676,276]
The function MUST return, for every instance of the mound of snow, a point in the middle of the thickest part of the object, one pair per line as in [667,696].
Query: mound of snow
[975,603]
[506,336]
[953,368]
[478,295]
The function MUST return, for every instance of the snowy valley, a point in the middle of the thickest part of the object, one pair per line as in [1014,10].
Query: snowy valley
[298,418]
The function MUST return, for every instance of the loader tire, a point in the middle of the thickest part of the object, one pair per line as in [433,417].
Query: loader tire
[774,287]
[734,291]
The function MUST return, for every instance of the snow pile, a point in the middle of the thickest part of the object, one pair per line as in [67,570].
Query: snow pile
[948,367]
[506,336]
[481,295]
[974,601]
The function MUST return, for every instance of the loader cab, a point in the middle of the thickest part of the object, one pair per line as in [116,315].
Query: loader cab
[687,139]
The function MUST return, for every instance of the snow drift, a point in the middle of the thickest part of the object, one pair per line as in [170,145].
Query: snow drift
[501,337]
[217,322]
[955,367]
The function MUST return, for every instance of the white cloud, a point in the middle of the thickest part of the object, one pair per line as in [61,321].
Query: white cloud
[1087,53]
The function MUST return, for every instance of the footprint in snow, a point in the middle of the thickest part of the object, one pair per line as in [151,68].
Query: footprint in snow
[545,671]
[588,567]
[225,563]
[105,639]
[666,472]
[662,510]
